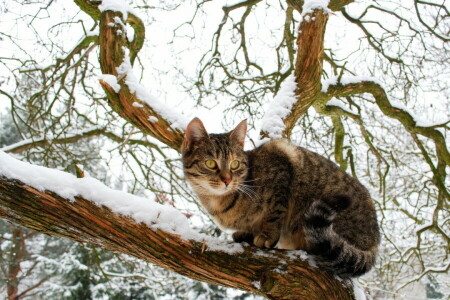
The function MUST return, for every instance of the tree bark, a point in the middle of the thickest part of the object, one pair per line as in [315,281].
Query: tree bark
[16,256]
[272,273]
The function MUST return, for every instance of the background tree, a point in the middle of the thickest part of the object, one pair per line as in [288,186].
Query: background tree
[389,132]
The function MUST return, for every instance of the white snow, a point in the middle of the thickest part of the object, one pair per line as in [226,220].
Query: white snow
[94,32]
[303,255]
[111,80]
[177,120]
[153,119]
[116,5]
[256,284]
[428,123]
[18,144]
[310,5]
[155,215]
[118,20]
[346,80]
[130,33]
[279,108]
[335,102]
[137,104]
[358,291]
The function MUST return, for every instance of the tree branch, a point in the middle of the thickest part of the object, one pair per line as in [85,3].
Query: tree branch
[27,144]
[308,68]
[274,274]
[112,56]
[408,121]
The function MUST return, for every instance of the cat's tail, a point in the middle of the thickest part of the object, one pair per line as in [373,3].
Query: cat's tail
[331,251]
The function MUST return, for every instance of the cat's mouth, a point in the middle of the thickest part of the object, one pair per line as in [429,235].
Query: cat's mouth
[216,188]
[221,187]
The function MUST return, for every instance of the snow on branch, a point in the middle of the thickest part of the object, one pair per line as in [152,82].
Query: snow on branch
[310,5]
[272,123]
[66,185]
[116,5]
[338,80]
[176,119]
[50,139]
[85,210]
[126,95]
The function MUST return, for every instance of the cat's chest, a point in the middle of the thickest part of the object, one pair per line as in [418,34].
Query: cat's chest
[233,212]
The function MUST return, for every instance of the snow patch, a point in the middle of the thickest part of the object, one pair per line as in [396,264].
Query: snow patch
[303,255]
[279,108]
[153,119]
[310,5]
[137,104]
[346,80]
[358,290]
[94,32]
[116,5]
[257,284]
[16,145]
[335,102]
[177,120]
[49,138]
[111,80]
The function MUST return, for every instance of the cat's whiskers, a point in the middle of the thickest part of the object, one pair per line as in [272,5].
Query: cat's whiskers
[249,192]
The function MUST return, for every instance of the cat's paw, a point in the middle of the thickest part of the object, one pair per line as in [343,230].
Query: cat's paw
[265,241]
[242,236]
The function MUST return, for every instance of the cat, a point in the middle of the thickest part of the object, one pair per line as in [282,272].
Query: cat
[281,194]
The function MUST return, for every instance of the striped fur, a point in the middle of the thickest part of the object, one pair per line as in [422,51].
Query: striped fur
[283,195]
[331,252]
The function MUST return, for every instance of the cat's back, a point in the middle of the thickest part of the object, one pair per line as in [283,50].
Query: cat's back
[314,176]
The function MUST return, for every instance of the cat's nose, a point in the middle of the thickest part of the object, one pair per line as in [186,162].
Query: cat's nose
[226,181]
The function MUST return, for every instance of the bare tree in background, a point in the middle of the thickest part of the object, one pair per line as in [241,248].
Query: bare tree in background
[386,132]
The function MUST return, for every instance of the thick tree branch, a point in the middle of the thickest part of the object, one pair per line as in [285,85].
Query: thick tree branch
[274,274]
[112,44]
[112,55]
[308,68]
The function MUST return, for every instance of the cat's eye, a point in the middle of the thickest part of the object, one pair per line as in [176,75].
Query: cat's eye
[234,164]
[211,164]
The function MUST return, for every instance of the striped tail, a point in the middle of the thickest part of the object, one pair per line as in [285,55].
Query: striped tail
[330,251]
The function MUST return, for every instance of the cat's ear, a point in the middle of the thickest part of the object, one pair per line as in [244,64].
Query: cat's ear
[238,133]
[194,132]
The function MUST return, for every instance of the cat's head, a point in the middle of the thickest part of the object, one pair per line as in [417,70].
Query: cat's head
[214,164]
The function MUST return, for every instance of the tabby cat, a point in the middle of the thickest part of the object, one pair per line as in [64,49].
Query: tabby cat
[284,195]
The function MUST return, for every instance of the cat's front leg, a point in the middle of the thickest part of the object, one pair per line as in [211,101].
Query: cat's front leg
[269,235]
[243,236]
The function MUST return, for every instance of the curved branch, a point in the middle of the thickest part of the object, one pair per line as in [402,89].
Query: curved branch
[275,274]
[112,55]
[408,121]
